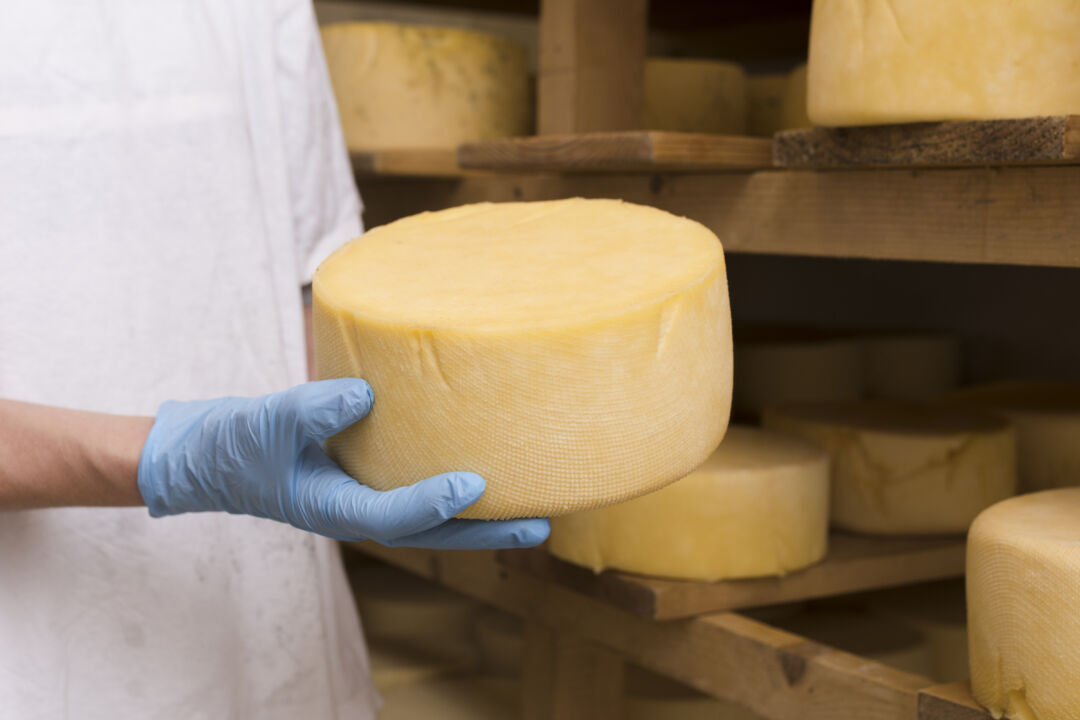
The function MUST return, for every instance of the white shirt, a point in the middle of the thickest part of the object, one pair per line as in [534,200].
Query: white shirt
[171,171]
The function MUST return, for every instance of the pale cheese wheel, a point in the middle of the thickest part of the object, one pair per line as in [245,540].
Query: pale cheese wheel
[401,86]
[903,61]
[574,353]
[765,99]
[910,366]
[886,641]
[758,506]
[472,697]
[702,96]
[938,611]
[793,110]
[649,696]
[906,468]
[1047,421]
[774,366]
[1023,562]
[500,639]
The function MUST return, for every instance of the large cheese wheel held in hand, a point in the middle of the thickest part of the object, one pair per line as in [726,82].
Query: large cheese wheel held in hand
[1023,565]
[902,468]
[401,86]
[758,506]
[574,353]
[898,61]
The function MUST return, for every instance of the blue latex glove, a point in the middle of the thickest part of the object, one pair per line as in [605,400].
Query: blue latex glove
[263,456]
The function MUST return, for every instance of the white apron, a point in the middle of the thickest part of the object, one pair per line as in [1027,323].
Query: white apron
[171,171]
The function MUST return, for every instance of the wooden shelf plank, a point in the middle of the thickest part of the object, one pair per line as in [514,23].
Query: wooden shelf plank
[774,673]
[1025,141]
[407,162]
[854,563]
[627,151]
[949,702]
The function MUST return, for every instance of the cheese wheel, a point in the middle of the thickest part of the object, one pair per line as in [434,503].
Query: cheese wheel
[1023,561]
[925,60]
[1047,421]
[899,469]
[703,96]
[574,353]
[781,365]
[757,507]
[886,641]
[937,610]
[472,697]
[649,696]
[400,86]
[911,366]
[765,100]
[793,110]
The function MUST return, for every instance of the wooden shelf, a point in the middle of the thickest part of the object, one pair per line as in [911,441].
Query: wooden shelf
[772,672]
[854,563]
[406,162]
[1041,140]
[627,151]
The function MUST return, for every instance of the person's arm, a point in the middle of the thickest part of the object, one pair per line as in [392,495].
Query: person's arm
[51,457]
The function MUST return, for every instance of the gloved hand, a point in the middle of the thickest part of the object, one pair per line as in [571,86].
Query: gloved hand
[263,456]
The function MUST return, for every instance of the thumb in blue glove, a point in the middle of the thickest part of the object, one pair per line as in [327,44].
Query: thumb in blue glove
[263,456]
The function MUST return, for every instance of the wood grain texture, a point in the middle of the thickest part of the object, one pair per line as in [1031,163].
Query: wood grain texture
[592,65]
[632,151]
[1005,216]
[776,674]
[992,142]
[950,702]
[854,563]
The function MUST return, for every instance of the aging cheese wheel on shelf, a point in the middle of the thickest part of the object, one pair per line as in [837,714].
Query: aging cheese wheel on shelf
[417,86]
[1023,561]
[793,110]
[926,60]
[1047,421]
[704,96]
[757,507]
[765,100]
[938,611]
[886,641]
[910,366]
[777,365]
[574,353]
[905,468]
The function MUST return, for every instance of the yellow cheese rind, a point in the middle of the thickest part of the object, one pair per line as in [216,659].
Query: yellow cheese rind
[574,353]
[911,366]
[875,62]
[900,469]
[1047,421]
[1023,561]
[757,507]
[401,86]
[704,96]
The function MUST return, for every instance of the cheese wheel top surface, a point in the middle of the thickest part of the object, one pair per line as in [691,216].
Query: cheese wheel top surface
[518,266]
[900,418]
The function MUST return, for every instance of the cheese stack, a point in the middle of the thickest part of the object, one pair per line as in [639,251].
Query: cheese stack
[899,469]
[765,99]
[886,641]
[910,366]
[1023,561]
[1047,421]
[937,610]
[649,696]
[401,86]
[901,61]
[757,507]
[702,96]
[776,365]
[574,353]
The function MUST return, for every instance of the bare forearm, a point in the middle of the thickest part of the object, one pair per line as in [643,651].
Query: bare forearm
[52,457]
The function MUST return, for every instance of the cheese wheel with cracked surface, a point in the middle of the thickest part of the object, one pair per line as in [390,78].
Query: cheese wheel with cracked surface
[574,353]
[702,96]
[402,86]
[906,61]
[1047,421]
[757,507]
[906,468]
[1023,561]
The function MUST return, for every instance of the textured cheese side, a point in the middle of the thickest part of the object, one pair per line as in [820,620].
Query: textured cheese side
[900,469]
[574,353]
[705,96]
[911,366]
[1023,561]
[757,507]
[1047,421]
[416,86]
[874,62]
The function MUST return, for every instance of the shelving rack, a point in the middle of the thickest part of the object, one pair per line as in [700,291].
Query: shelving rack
[937,193]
